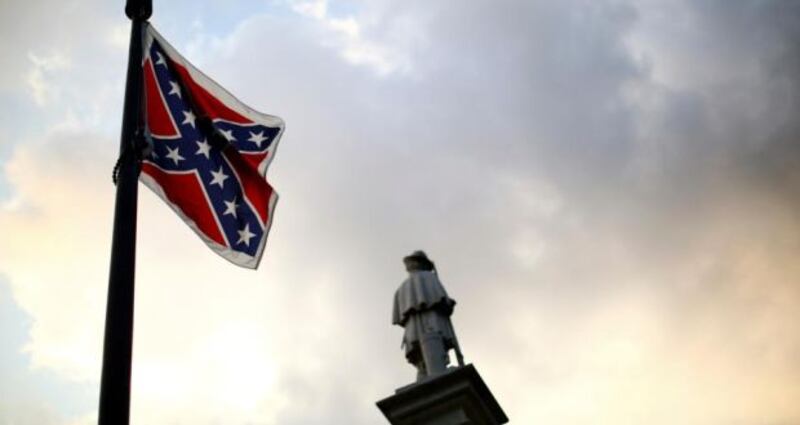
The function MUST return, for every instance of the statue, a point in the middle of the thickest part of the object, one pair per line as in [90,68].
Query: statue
[423,308]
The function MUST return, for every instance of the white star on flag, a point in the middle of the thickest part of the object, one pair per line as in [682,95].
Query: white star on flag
[245,235]
[257,138]
[188,118]
[203,148]
[219,177]
[174,155]
[174,89]
[160,60]
[230,207]
[228,134]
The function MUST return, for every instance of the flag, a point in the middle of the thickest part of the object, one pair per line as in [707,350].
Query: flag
[208,154]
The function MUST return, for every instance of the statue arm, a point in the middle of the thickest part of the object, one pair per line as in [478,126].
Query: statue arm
[397,316]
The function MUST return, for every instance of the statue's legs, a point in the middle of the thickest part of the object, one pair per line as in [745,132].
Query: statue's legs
[414,356]
[434,354]
[421,374]
[425,343]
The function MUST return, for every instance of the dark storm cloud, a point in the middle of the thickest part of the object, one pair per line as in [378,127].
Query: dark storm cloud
[536,93]
[671,191]
[538,90]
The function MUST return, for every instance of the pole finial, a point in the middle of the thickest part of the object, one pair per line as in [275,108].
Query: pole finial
[139,9]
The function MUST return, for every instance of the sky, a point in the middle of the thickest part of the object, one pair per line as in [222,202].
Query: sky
[610,190]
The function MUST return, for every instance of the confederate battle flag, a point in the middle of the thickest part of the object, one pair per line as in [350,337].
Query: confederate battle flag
[208,154]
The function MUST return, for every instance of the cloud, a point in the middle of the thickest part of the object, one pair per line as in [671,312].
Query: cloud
[31,396]
[55,218]
[358,39]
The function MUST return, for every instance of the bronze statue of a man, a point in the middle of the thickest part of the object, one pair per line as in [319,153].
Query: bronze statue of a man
[422,307]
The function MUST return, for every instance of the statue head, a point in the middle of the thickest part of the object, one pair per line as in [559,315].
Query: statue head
[418,261]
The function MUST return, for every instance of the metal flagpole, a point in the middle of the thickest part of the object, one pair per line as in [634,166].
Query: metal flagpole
[115,382]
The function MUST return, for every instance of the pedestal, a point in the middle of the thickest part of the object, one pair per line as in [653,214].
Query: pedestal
[456,397]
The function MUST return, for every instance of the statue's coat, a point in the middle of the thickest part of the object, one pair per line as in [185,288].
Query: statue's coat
[421,305]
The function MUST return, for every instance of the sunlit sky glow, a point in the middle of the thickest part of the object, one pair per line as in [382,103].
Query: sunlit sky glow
[609,188]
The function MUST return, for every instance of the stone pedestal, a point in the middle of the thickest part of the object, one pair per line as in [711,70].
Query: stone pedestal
[456,397]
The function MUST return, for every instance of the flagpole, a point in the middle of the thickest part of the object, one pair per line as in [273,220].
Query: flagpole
[115,382]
